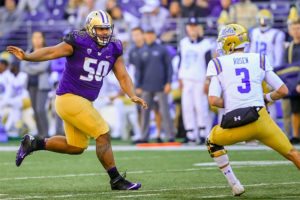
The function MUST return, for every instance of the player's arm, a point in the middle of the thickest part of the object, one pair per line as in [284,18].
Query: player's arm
[47,53]
[280,89]
[214,93]
[126,82]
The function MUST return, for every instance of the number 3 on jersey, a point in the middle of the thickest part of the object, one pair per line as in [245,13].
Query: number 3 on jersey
[101,71]
[246,87]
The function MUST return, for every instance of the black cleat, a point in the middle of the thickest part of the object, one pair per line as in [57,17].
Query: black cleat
[25,149]
[120,183]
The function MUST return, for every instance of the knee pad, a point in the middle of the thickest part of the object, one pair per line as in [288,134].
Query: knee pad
[215,150]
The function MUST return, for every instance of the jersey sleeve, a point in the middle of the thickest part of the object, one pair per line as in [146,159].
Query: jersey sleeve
[215,88]
[211,69]
[70,39]
[118,47]
[268,66]
[273,80]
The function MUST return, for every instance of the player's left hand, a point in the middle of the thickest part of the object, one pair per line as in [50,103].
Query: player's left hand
[139,101]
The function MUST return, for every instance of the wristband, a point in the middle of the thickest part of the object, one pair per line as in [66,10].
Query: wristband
[268,97]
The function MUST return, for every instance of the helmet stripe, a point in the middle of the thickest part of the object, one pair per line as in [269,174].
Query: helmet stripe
[104,17]
[101,14]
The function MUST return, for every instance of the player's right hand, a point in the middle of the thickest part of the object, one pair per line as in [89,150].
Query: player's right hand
[18,52]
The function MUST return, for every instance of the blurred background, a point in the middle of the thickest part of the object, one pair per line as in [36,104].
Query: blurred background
[27,97]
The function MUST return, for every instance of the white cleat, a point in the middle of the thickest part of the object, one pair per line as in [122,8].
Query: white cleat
[237,189]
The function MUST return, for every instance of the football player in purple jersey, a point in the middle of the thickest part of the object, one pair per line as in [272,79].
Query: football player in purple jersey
[91,54]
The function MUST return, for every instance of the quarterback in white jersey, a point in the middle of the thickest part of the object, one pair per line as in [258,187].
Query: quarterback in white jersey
[267,40]
[192,69]
[236,85]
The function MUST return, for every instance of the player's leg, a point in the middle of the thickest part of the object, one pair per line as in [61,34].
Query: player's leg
[215,145]
[273,137]
[58,144]
[91,124]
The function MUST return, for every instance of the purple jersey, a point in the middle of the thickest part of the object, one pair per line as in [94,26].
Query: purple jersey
[88,65]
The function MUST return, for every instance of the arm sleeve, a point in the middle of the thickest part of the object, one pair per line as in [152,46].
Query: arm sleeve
[215,88]
[268,66]
[279,49]
[70,39]
[273,80]
[211,69]
[118,47]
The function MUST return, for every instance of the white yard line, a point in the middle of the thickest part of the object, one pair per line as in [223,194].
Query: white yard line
[138,195]
[177,148]
[202,166]
[151,191]
[248,163]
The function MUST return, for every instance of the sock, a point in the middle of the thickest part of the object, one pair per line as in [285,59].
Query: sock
[113,173]
[227,170]
[38,144]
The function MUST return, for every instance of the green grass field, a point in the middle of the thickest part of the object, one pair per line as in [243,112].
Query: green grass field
[164,175]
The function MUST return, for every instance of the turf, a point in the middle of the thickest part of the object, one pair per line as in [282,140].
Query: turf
[164,175]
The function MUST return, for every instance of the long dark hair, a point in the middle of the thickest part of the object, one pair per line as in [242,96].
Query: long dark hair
[43,36]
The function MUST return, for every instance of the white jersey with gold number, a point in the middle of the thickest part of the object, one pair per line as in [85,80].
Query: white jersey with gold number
[239,79]
[270,42]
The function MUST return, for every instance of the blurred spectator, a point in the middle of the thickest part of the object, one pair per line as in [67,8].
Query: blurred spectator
[194,8]
[203,8]
[10,17]
[188,8]
[131,6]
[269,41]
[243,12]
[169,31]
[124,111]
[153,15]
[34,10]
[110,4]
[153,79]
[292,58]
[266,39]
[123,23]
[5,93]
[19,102]
[222,7]
[56,9]
[84,9]
[71,11]
[195,53]
[134,56]
[38,84]
[57,67]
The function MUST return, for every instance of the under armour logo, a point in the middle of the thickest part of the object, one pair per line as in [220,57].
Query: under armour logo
[107,57]
[238,118]
[99,53]
[227,172]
